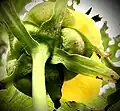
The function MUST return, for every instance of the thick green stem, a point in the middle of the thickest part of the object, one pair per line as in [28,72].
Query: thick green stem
[39,56]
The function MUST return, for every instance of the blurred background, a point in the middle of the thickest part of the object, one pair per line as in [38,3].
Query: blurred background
[108,9]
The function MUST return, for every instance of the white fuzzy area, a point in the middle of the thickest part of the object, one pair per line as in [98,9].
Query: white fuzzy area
[102,90]
[108,49]
[23,15]
[4,56]
[112,85]
[117,54]
[116,64]
[111,42]
[75,6]
[99,24]
[69,2]
[105,87]
[118,44]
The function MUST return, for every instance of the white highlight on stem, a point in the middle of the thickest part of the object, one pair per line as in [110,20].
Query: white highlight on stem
[39,56]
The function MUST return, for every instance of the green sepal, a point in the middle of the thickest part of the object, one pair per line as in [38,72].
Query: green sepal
[84,65]
[114,48]
[104,36]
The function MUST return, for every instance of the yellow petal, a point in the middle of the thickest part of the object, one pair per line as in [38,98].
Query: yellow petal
[83,88]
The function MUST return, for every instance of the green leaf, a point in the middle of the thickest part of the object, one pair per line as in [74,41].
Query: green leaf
[83,65]
[100,102]
[115,107]
[105,36]
[13,100]
[114,48]
[73,106]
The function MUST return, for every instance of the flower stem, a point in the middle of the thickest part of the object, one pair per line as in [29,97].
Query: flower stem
[39,56]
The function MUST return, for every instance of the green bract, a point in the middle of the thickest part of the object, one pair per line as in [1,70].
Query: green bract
[44,47]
